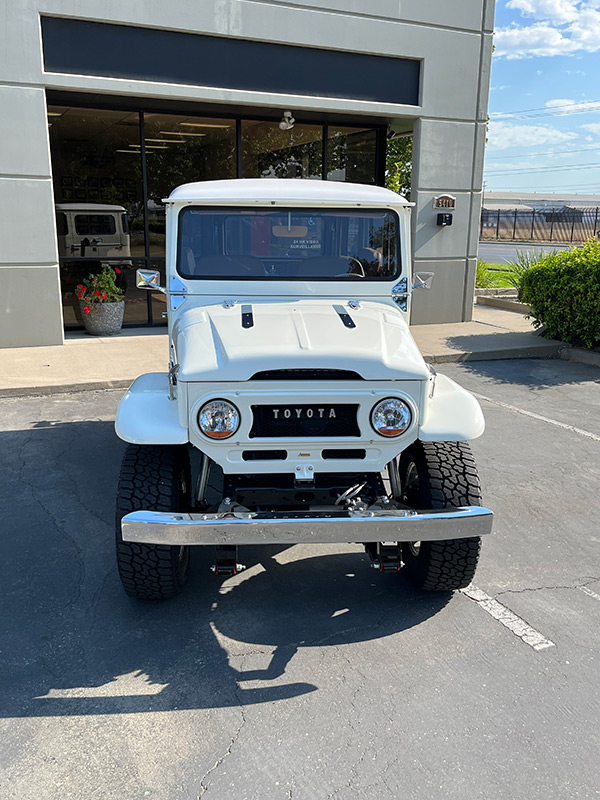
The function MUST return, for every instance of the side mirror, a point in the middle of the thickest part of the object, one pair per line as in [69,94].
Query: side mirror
[423,280]
[149,279]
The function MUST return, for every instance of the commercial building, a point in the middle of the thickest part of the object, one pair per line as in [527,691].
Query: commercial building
[101,118]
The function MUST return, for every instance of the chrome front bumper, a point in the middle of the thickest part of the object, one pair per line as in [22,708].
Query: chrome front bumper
[393,525]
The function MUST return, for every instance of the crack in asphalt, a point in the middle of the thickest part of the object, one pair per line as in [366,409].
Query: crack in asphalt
[204,783]
[97,596]
[580,585]
[347,785]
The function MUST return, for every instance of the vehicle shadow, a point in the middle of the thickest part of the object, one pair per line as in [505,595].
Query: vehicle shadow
[74,644]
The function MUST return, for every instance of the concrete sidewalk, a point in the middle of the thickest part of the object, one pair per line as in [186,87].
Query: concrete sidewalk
[86,362]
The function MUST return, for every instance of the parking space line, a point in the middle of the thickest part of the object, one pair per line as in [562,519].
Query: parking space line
[507,618]
[589,592]
[564,425]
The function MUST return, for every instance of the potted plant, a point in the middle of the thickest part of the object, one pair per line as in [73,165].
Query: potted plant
[101,302]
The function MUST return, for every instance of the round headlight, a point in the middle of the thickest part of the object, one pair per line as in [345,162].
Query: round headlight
[391,417]
[218,419]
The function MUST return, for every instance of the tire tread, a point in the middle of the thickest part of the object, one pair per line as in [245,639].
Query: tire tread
[449,478]
[149,479]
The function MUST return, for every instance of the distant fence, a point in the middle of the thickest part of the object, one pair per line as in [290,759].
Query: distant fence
[540,224]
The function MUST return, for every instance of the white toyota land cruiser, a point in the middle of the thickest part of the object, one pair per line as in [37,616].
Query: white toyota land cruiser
[297,407]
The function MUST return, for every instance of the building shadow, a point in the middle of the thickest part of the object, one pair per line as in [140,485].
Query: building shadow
[74,644]
[492,340]
[533,373]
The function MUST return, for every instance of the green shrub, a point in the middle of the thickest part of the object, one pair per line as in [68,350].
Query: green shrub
[524,262]
[563,291]
[484,278]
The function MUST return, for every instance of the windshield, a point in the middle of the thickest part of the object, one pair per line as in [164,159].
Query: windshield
[294,244]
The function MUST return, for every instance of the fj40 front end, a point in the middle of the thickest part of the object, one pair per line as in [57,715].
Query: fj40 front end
[296,407]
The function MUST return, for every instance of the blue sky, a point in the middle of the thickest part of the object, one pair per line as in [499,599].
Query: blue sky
[544,133]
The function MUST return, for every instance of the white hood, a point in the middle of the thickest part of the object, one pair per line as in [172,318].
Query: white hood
[212,345]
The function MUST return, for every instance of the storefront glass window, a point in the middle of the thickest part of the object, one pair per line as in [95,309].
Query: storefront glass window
[97,178]
[107,195]
[269,152]
[183,150]
[351,154]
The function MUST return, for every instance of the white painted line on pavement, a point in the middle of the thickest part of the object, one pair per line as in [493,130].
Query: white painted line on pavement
[571,428]
[589,592]
[507,618]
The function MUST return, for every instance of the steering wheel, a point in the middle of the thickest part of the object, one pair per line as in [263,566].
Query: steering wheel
[360,274]
[377,253]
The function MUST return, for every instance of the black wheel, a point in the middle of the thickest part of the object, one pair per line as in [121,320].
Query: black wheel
[438,475]
[153,477]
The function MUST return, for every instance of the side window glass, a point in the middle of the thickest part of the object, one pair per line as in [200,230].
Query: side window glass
[61,224]
[95,224]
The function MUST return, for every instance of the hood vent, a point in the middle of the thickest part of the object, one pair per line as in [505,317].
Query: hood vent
[306,375]
[247,317]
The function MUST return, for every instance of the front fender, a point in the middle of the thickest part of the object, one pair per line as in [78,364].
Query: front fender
[452,414]
[146,415]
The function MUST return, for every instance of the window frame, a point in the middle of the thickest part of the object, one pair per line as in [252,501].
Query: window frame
[292,279]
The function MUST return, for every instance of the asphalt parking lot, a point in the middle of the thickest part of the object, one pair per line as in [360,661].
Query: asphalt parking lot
[309,676]
[496,252]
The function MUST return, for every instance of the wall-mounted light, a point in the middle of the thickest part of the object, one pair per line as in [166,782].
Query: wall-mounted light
[180,133]
[287,121]
[206,124]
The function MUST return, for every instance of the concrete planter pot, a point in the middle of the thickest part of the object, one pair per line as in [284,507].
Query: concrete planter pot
[103,319]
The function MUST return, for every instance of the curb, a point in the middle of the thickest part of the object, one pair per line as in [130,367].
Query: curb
[496,292]
[547,351]
[64,388]
[578,356]
[503,302]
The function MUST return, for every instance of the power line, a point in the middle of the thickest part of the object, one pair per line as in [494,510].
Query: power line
[548,111]
[546,153]
[541,108]
[563,168]
[548,189]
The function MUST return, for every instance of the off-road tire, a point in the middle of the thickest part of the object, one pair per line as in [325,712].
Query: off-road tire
[152,478]
[439,475]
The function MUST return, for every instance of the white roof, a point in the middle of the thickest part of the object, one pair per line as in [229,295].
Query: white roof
[285,190]
[100,207]
[493,206]
[539,199]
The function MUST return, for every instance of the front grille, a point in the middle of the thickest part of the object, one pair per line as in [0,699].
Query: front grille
[306,375]
[264,455]
[343,455]
[296,421]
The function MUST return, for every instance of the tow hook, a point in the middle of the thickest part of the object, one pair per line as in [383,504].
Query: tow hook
[226,563]
[385,556]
